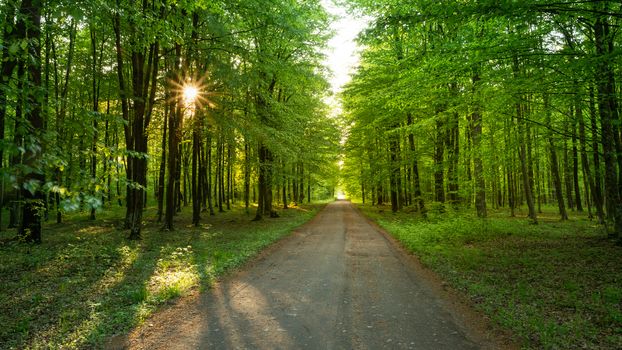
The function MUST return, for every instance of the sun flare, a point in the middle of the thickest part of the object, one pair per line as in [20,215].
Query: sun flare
[191,93]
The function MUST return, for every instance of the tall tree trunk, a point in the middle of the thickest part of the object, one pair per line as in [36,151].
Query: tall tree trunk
[301,190]
[588,180]
[453,149]
[608,117]
[220,173]
[208,145]
[196,196]
[395,176]
[7,66]
[173,143]
[247,175]
[527,186]
[32,210]
[229,190]
[162,170]
[264,207]
[478,165]
[557,182]
[525,168]
[567,171]
[439,151]
[598,191]
[575,168]
[95,96]
[415,167]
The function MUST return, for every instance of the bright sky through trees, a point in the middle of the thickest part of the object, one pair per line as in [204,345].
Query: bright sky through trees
[342,54]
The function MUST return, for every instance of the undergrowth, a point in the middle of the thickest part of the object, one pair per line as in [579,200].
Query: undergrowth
[86,281]
[555,285]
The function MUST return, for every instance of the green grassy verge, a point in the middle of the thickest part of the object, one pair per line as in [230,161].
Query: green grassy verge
[556,285]
[87,282]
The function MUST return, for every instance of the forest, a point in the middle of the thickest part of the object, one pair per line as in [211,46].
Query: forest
[195,102]
[490,105]
[148,147]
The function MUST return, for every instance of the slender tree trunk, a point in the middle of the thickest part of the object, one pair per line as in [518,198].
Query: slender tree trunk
[439,151]
[247,175]
[588,181]
[208,145]
[527,187]
[575,168]
[95,92]
[597,193]
[162,170]
[32,210]
[203,176]
[453,157]
[415,168]
[567,172]
[608,117]
[196,197]
[229,178]
[301,191]
[554,164]
[7,66]
[395,175]
[173,144]
[220,173]
[478,168]
[309,188]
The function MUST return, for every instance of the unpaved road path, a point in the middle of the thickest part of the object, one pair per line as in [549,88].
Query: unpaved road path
[336,283]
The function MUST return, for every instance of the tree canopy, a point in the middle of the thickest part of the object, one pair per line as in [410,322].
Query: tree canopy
[93,110]
[488,104]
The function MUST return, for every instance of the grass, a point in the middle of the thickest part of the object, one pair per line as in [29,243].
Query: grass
[86,282]
[555,285]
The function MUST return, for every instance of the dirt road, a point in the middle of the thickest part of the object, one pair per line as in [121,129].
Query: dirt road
[336,283]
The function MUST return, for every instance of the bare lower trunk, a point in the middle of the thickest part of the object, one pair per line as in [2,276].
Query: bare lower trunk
[478,165]
[557,182]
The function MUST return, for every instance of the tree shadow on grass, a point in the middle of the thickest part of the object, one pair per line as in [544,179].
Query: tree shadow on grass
[83,282]
[44,283]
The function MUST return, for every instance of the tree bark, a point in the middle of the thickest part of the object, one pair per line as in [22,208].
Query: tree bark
[196,196]
[395,176]
[7,67]
[208,145]
[575,168]
[527,187]
[415,168]
[585,165]
[478,165]
[608,117]
[557,182]
[162,170]
[247,175]
[173,142]
[33,208]
[598,191]
[439,151]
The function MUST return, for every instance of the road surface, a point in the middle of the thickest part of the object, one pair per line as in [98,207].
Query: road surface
[336,283]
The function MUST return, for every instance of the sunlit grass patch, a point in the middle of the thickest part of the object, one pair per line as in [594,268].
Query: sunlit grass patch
[556,285]
[174,275]
[86,282]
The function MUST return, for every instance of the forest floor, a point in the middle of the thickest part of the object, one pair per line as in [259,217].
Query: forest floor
[87,282]
[555,285]
[338,282]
